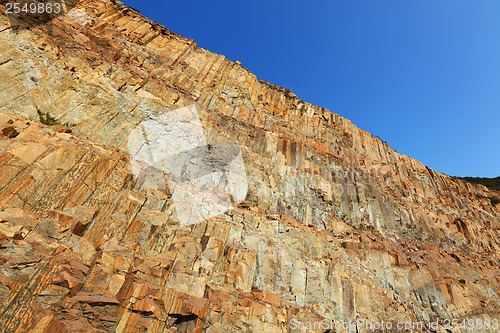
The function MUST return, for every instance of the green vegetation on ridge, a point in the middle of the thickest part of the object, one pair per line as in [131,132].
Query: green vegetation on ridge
[491,183]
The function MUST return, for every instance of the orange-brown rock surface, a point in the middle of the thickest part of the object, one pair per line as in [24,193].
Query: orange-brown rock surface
[336,224]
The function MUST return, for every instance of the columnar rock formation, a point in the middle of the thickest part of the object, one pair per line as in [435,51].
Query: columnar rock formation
[336,225]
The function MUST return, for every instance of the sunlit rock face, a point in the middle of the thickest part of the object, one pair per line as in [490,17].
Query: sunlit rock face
[201,177]
[260,212]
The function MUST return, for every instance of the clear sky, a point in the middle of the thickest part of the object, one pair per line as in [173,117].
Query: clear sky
[423,75]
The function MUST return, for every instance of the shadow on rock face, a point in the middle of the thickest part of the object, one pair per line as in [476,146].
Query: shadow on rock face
[26,14]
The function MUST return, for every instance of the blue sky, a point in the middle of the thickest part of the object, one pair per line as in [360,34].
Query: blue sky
[422,75]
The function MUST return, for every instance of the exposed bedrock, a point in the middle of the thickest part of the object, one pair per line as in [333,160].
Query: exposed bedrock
[336,224]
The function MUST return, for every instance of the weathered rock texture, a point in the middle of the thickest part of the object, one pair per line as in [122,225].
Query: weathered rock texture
[336,224]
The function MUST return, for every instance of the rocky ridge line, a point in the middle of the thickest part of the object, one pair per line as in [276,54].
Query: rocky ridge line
[341,226]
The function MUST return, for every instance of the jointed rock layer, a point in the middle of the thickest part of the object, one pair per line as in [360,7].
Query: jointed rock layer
[336,225]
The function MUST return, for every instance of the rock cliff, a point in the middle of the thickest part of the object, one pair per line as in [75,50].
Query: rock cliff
[336,224]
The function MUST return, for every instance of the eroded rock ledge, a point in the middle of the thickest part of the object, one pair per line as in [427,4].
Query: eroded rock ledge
[336,225]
